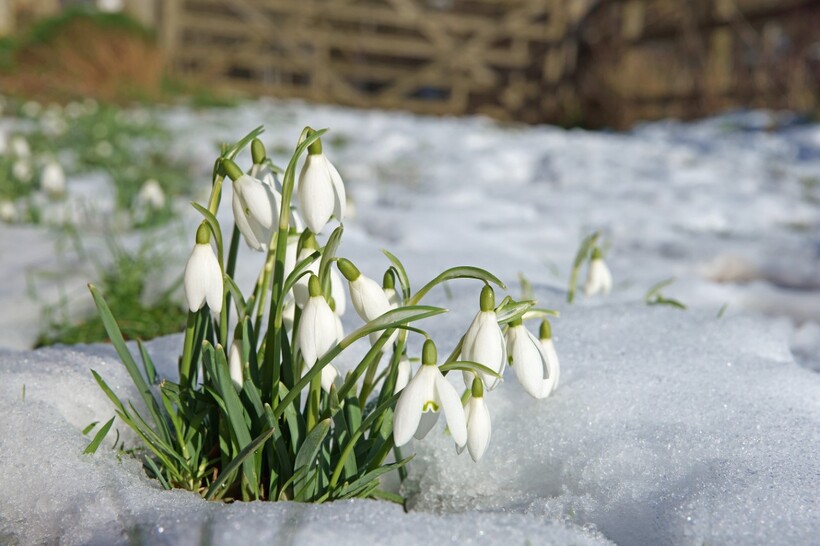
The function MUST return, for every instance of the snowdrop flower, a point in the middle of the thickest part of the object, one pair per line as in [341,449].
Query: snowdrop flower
[21,170]
[253,207]
[4,142]
[203,275]
[599,279]
[421,400]
[8,212]
[52,179]
[20,148]
[321,190]
[389,287]
[484,342]
[528,359]
[403,375]
[366,296]
[318,331]
[479,426]
[151,195]
[235,365]
[553,367]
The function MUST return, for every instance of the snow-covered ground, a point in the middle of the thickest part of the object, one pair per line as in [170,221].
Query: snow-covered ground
[669,426]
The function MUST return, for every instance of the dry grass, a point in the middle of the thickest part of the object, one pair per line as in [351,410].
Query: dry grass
[79,54]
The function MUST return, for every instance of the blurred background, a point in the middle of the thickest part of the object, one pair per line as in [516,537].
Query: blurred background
[590,63]
[112,112]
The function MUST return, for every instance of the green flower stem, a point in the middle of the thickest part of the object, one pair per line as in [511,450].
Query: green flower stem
[369,376]
[225,316]
[274,346]
[314,395]
[186,362]
[216,194]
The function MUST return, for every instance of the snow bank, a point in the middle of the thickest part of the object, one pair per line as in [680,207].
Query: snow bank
[669,427]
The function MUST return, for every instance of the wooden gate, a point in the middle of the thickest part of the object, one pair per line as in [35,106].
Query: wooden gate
[508,58]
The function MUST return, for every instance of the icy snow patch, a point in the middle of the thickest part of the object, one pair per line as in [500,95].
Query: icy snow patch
[668,427]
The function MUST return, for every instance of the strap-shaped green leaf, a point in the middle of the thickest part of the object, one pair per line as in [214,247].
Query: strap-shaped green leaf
[460,272]
[580,257]
[98,438]
[305,459]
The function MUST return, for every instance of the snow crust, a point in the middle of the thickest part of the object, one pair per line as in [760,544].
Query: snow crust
[668,427]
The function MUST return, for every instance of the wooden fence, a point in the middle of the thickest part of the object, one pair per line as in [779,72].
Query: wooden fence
[645,59]
[562,61]
[507,58]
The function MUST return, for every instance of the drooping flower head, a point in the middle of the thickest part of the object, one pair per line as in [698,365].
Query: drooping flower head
[599,278]
[203,275]
[366,296]
[318,331]
[321,190]
[389,287]
[479,426]
[528,359]
[553,366]
[254,207]
[484,342]
[420,402]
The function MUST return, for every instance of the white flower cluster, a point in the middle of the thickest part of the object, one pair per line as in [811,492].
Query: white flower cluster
[534,361]
[485,349]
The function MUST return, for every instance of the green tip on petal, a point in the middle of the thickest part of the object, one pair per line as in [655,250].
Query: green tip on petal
[478,388]
[597,254]
[487,298]
[308,240]
[516,322]
[231,168]
[258,152]
[546,330]
[350,271]
[314,286]
[316,147]
[429,355]
[203,234]
[389,281]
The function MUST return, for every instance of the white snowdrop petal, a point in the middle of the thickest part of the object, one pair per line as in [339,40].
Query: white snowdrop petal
[196,278]
[479,428]
[403,375]
[340,197]
[242,222]
[235,365]
[408,410]
[316,196]
[426,423]
[257,199]
[337,290]
[214,289]
[329,374]
[452,408]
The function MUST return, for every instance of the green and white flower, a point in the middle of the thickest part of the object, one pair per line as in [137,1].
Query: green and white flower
[203,275]
[421,401]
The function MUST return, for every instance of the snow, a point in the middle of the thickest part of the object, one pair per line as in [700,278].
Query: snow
[668,427]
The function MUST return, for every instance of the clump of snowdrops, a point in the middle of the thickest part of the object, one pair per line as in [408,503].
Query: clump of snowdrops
[260,409]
